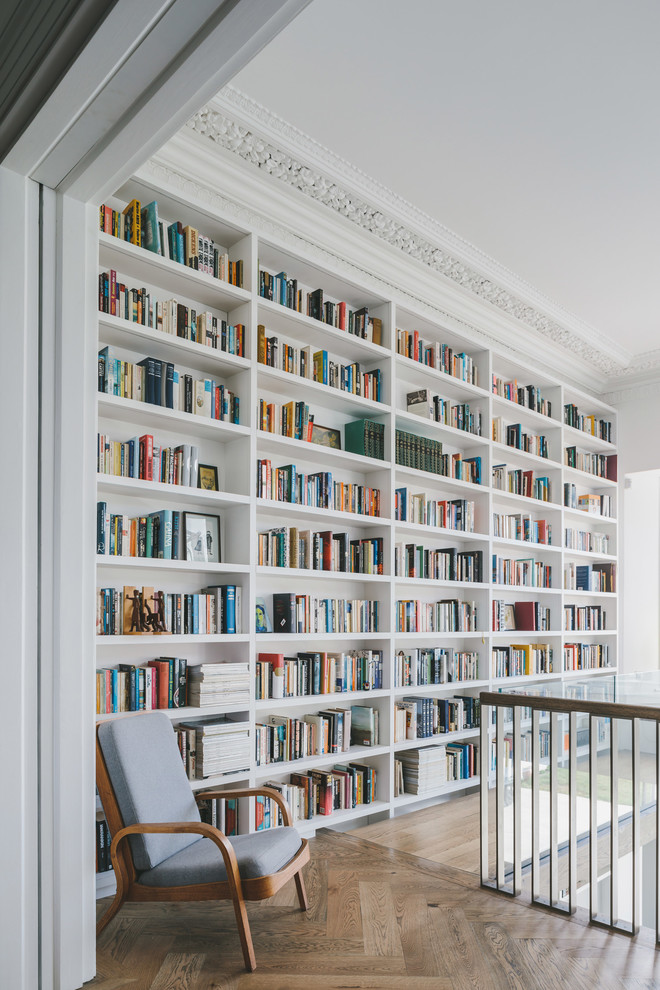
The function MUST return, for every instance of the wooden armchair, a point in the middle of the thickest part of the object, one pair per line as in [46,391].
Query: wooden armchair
[162,851]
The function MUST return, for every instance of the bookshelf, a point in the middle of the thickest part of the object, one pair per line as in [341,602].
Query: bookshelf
[480,518]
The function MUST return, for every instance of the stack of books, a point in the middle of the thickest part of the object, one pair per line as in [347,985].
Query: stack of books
[222,745]
[218,684]
[424,770]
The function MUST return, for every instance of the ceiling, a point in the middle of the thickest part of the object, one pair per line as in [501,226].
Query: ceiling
[528,129]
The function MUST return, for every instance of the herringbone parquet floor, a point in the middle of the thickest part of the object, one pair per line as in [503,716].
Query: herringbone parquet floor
[379,918]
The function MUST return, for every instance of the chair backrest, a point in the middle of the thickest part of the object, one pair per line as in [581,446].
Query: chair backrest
[149,782]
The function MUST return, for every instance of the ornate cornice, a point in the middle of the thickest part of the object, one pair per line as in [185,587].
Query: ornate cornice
[247,130]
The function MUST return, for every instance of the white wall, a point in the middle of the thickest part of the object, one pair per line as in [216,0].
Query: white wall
[639,535]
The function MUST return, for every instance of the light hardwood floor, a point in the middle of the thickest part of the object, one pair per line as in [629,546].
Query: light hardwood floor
[394,905]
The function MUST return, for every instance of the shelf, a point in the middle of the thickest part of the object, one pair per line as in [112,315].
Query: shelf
[524,679]
[506,450]
[450,787]
[428,477]
[500,541]
[520,635]
[431,532]
[152,639]
[131,261]
[327,457]
[333,698]
[293,638]
[287,322]
[509,589]
[591,442]
[590,555]
[159,417]
[356,754]
[573,593]
[439,635]
[431,689]
[220,779]
[307,826]
[571,635]
[586,478]
[412,371]
[593,516]
[522,413]
[440,740]
[115,485]
[409,422]
[285,385]
[166,347]
[525,499]
[460,585]
[185,566]
[186,713]
[307,572]
[314,514]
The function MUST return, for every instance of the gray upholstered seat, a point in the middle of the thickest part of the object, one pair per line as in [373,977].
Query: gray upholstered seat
[258,855]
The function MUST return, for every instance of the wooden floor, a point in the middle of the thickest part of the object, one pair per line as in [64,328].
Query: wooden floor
[380,917]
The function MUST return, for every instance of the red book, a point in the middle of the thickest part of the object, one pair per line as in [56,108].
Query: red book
[525,614]
[341,313]
[276,661]
[528,483]
[112,291]
[146,458]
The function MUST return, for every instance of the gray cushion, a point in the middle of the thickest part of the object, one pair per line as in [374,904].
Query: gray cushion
[149,781]
[258,854]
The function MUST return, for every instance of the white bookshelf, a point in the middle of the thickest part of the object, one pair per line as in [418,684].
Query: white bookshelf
[234,449]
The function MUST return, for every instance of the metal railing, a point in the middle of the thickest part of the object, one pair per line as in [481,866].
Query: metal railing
[562,788]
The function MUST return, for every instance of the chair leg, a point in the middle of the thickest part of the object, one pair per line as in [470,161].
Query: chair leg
[111,912]
[244,934]
[302,894]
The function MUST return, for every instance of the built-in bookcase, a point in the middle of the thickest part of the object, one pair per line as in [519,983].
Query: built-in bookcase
[482,507]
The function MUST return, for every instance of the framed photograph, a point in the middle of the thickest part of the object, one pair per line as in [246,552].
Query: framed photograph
[208,477]
[326,437]
[202,537]
[509,617]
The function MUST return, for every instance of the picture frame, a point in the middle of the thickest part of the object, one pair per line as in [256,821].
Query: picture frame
[326,436]
[201,533]
[509,618]
[207,477]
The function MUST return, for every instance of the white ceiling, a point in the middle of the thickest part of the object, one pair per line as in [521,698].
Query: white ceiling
[529,129]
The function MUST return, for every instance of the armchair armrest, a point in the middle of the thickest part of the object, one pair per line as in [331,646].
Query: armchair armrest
[269,792]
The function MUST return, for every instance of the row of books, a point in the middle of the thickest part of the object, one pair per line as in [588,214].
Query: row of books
[285,291]
[586,541]
[600,465]
[586,656]
[521,526]
[590,577]
[143,459]
[524,573]
[318,366]
[442,357]
[513,435]
[521,659]
[425,454]
[449,615]
[317,673]
[321,791]
[434,665]
[319,490]
[520,482]
[424,717]
[214,745]
[529,616]
[423,402]
[134,611]
[160,383]
[443,564]
[288,546]
[585,618]
[141,225]
[160,683]
[425,510]
[291,419]
[596,427]
[283,738]
[596,505]
[222,813]
[310,614]
[158,536]
[523,395]
[169,316]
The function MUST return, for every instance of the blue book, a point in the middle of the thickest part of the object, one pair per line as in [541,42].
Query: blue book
[150,232]
[195,615]
[169,385]
[229,595]
[176,535]
[164,548]
[101,514]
